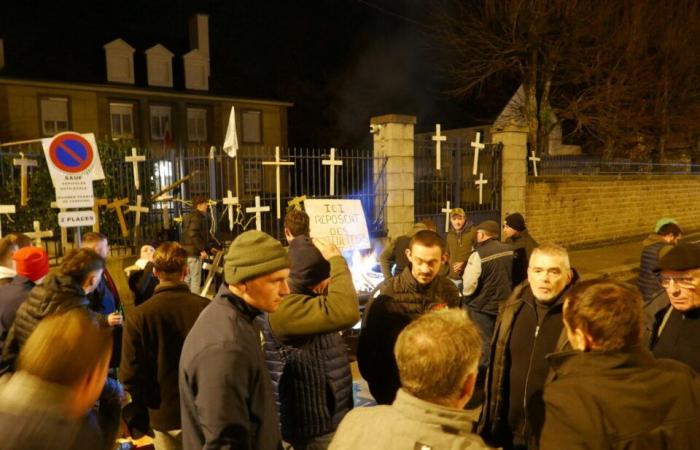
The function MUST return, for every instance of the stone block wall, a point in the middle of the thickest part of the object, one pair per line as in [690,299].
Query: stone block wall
[579,210]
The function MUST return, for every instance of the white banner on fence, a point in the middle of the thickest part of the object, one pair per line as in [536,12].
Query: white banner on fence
[70,219]
[341,222]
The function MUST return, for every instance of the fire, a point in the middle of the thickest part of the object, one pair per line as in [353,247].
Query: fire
[362,266]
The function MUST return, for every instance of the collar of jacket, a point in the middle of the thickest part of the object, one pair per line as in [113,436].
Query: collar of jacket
[459,420]
[171,286]
[465,227]
[24,391]
[19,279]
[575,362]
[482,243]
[225,295]
[406,278]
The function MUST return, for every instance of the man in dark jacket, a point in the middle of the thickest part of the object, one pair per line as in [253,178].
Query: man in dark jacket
[676,327]
[487,280]
[195,239]
[600,397]
[655,246]
[48,403]
[225,390]
[522,244]
[153,336]
[396,302]
[486,283]
[306,355]
[529,326]
[32,265]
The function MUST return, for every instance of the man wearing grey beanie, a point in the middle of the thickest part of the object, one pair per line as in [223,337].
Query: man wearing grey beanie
[225,390]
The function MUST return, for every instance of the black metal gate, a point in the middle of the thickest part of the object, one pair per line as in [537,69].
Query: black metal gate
[456,182]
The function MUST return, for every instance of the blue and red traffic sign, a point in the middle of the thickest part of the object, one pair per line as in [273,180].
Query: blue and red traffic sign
[70,152]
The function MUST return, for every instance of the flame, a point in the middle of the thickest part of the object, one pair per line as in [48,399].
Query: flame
[362,268]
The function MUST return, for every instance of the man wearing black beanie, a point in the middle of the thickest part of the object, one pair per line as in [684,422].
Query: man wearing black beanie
[521,242]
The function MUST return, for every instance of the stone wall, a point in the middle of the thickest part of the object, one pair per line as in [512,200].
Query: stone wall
[580,210]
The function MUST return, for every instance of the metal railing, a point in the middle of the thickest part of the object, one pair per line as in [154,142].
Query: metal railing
[595,165]
[210,173]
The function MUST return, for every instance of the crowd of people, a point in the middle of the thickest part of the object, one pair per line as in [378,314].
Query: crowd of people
[481,339]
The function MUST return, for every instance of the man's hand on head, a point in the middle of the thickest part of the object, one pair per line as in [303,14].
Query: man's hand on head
[327,249]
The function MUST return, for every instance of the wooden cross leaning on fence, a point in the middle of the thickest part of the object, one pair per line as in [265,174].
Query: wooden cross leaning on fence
[138,209]
[213,269]
[24,183]
[477,145]
[38,234]
[447,211]
[117,205]
[439,139]
[257,210]
[230,201]
[278,163]
[6,209]
[480,185]
[135,159]
[296,202]
[534,160]
[332,163]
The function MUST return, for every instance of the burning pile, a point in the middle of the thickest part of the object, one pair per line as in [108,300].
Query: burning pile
[362,266]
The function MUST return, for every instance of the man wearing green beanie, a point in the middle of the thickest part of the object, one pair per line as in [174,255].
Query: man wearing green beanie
[225,390]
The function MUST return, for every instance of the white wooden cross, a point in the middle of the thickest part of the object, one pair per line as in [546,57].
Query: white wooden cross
[439,139]
[64,230]
[138,209]
[480,184]
[24,186]
[230,201]
[6,209]
[257,210]
[37,234]
[332,163]
[534,160]
[447,210]
[477,145]
[135,159]
[278,164]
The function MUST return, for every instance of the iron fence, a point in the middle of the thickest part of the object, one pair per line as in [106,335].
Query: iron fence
[566,165]
[456,181]
[208,172]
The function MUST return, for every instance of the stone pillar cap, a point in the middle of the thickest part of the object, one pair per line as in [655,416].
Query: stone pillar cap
[393,118]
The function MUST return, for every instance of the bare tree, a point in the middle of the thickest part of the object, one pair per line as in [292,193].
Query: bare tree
[621,72]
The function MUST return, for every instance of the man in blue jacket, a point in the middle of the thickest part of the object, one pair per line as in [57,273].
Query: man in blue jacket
[225,389]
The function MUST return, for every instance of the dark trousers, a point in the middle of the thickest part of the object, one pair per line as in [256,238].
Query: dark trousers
[486,324]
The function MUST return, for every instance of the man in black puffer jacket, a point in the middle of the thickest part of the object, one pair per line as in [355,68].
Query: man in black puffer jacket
[305,354]
[398,301]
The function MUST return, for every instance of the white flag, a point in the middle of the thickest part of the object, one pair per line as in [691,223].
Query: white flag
[231,141]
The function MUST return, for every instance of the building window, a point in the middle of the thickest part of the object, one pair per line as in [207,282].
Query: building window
[161,123]
[122,119]
[251,124]
[252,176]
[197,124]
[54,115]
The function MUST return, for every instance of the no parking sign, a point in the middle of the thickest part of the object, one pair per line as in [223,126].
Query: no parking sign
[73,162]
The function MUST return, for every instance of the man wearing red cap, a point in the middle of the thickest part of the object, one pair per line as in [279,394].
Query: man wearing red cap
[31,265]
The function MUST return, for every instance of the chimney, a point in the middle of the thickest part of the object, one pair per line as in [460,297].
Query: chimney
[2,54]
[199,33]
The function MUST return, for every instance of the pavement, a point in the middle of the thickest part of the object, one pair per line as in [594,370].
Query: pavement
[615,260]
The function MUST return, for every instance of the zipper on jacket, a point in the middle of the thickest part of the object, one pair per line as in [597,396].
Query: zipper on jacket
[529,369]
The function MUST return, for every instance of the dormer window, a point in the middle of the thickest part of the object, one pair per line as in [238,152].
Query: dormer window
[159,63]
[120,62]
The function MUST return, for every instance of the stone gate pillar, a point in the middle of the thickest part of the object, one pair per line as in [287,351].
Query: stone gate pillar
[514,169]
[393,138]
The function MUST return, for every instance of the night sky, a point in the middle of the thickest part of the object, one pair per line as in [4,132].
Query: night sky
[339,61]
